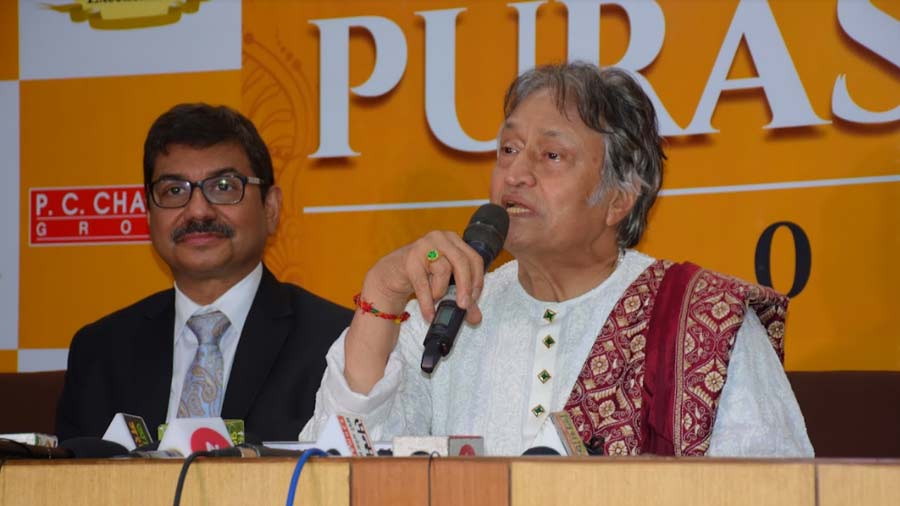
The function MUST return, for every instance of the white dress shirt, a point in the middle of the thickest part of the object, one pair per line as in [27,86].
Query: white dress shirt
[491,380]
[235,304]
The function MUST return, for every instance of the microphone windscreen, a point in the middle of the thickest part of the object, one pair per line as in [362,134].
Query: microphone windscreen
[93,448]
[488,227]
[541,450]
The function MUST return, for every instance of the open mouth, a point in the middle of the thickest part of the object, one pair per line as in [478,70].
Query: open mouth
[514,207]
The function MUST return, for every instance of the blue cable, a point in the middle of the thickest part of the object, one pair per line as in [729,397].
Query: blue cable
[312,452]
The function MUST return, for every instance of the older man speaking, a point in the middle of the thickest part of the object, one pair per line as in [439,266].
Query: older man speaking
[645,355]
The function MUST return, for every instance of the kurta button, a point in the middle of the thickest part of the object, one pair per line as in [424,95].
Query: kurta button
[544,376]
[549,315]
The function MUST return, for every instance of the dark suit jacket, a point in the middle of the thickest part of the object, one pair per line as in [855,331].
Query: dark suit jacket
[123,363]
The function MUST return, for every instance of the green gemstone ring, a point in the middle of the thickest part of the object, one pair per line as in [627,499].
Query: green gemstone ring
[433,255]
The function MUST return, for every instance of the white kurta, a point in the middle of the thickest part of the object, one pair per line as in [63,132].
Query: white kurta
[492,380]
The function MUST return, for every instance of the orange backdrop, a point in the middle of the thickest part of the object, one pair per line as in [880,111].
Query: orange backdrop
[842,318]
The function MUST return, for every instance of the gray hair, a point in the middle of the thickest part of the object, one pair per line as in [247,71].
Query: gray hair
[612,103]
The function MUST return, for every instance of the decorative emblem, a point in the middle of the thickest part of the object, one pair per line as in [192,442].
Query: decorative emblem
[122,15]
[548,341]
[538,410]
[544,376]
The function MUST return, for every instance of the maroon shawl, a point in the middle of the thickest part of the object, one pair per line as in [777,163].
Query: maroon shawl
[652,380]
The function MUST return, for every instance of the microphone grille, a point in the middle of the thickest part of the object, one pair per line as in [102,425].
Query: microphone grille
[488,226]
[494,216]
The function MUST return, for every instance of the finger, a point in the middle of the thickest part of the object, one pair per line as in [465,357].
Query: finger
[460,258]
[477,273]
[440,271]
[473,314]
[419,279]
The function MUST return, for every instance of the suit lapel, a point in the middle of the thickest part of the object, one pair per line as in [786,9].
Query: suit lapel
[152,360]
[262,338]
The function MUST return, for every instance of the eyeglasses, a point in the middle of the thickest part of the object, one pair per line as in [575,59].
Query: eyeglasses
[169,192]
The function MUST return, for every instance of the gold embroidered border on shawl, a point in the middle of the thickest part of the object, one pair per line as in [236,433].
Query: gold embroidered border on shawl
[606,400]
[711,315]
[607,396]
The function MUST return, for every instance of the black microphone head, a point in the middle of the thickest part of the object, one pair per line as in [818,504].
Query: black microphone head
[93,448]
[487,230]
[541,450]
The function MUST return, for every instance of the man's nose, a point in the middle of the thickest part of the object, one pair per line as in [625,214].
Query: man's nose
[198,206]
[521,171]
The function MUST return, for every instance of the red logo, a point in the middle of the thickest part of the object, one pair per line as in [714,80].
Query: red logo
[205,439]
[467,451]
[79,215]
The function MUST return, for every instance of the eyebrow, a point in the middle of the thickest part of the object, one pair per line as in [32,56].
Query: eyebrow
[220,172]
[509,125]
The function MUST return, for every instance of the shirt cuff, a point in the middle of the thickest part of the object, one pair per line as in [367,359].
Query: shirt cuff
[342,399]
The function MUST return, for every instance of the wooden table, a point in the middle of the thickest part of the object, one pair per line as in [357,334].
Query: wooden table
[458,481]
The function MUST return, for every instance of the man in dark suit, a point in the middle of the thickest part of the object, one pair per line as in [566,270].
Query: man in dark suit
[229,339]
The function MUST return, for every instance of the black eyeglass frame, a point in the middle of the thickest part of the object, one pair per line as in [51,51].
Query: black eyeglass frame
[245,180]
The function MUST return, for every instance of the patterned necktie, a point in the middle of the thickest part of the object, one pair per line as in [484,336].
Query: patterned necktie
[203,390]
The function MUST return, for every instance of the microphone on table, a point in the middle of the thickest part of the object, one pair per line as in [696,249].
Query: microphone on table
[540,450]
[247,450]
[188,435]
[124,433]
[253,451]
[558,436]
[444,446]
[346,435]
[485,234]
[129,431]
[342,435]
[90,447]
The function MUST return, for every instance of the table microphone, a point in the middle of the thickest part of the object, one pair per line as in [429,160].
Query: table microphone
[129,431]
[540,450]
[93,448]
[485,234]
[253,451]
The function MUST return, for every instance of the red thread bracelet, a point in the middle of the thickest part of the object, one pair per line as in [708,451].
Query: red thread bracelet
[367,307]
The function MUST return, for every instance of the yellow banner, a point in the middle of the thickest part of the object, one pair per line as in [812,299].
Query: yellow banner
[782,120]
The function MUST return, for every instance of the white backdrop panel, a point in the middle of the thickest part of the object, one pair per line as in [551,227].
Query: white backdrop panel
[51,45]
[9,215]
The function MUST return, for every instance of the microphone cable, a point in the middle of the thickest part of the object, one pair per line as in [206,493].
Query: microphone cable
[183,474]
[431,457]
[298,468]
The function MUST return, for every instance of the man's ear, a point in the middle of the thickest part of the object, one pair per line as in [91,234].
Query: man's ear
[273,208]
[620,206]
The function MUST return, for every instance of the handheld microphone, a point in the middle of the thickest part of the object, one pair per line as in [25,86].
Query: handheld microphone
[485,234]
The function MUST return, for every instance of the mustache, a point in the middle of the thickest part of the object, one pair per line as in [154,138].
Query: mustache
[202,227]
